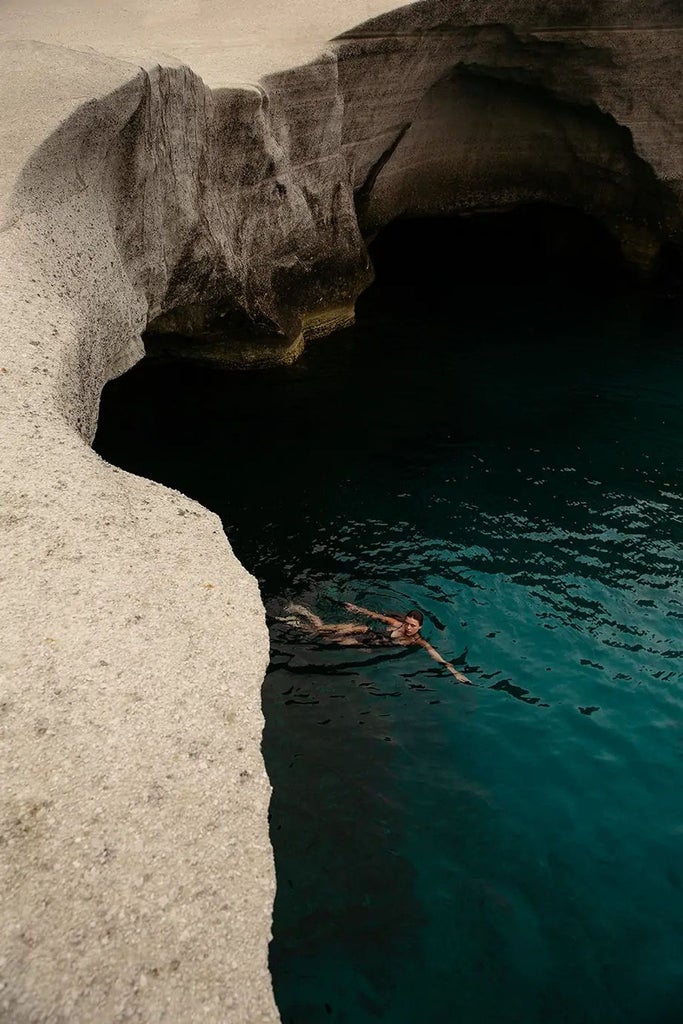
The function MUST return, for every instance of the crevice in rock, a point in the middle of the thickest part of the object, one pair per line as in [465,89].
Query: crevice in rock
[363,194]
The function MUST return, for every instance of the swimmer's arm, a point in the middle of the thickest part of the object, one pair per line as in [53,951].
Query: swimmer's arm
[433,653]
[389,619]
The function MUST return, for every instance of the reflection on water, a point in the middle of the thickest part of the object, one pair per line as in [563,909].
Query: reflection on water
[509,852]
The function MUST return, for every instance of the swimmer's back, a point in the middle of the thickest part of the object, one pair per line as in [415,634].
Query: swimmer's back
[376,638]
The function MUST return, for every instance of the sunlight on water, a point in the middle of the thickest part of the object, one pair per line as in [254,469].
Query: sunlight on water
[510,852]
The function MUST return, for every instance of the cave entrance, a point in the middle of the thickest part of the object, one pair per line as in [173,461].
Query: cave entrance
[530,275]
[533,245]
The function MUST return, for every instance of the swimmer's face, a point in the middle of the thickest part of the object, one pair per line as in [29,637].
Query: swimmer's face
[410,626]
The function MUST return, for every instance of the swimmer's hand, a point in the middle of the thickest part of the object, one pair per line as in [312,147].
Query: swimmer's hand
[351,607]
[459,676]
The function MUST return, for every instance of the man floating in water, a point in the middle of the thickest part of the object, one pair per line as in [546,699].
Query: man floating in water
[402,629]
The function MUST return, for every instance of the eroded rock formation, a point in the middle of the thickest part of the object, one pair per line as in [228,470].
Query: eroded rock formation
[517,103]
[438,109]
[138,877]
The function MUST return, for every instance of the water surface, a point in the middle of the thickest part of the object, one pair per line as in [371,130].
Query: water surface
[510,852]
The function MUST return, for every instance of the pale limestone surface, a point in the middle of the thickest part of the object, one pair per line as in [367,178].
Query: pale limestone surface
[223,41]
[137,873]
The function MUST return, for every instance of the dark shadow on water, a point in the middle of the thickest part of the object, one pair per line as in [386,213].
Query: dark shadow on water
[331,906]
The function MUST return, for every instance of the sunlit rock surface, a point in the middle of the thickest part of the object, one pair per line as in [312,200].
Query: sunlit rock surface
[215,181]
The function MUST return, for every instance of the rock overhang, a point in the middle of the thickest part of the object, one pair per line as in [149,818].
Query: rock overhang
[422,113]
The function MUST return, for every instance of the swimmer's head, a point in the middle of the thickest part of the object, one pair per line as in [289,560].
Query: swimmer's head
[412,621]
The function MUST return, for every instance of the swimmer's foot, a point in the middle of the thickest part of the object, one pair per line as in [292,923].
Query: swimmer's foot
[291,620]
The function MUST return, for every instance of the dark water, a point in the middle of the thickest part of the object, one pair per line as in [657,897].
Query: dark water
[510,852]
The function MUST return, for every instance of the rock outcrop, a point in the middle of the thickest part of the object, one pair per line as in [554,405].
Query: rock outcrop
[438,109]
[230,222]
[137,872]
[494,104]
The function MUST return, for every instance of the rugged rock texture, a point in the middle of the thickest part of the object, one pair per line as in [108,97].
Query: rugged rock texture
[488,105]
[137,873]
[283,251]
[438,109]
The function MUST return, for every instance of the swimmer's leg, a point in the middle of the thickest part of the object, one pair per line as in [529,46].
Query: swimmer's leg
[305,613]
[343,628]
[342,632]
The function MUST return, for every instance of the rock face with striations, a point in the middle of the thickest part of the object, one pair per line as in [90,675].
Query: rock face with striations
[443,109]
[489,105]
[231,222]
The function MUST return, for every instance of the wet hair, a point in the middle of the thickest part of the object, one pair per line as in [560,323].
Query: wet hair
[402,616]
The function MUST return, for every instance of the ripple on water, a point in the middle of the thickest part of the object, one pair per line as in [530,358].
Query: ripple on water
[509,852]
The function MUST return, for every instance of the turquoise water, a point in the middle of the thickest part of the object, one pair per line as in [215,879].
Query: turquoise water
[512,851]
